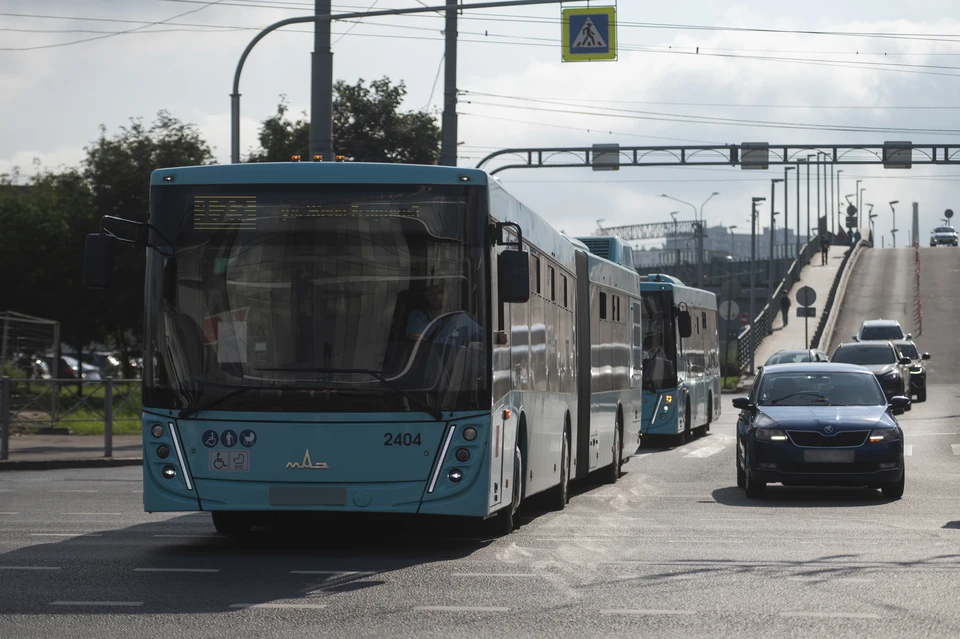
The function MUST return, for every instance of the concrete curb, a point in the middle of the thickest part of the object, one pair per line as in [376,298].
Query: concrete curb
[57,464]
[827,338]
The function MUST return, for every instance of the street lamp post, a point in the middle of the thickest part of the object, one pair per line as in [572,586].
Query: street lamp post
[786,210]
[839,204]
[773,184]
[732,241]
[856,195]
[808,197]
[797,251]
[818,189]
[698,236]
[753,273]
[676,241]
[709,197]
[859,212]
[893,231]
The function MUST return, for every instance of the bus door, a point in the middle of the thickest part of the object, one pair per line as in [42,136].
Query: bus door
[636,343]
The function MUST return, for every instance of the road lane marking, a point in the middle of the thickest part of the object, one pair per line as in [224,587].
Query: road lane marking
[344,573]
[176,570]
[831,615]
[97,603]
[70,534]
[93,514]
[185,536]
[493,574]
[645,611]
[908,450]
[74,491]
[706,451]
[280,605]
[29,567]
[461,609]
[9,513]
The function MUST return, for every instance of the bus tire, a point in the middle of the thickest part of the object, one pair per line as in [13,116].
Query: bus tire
[613,470]
[231,523]
[684,435]
[504,521]
[561,494]
[706,429]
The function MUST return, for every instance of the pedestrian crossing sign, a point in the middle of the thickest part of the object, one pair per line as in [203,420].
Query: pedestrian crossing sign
[589,34]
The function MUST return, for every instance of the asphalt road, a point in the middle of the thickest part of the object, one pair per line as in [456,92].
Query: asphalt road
[673,550]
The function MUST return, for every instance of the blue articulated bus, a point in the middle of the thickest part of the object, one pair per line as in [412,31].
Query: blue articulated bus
[349,337]
[681,358]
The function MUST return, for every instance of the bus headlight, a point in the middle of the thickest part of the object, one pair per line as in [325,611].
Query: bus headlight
[456,475]
[156,430]
[470,433]
[463,455]
[163,451]
[169,472]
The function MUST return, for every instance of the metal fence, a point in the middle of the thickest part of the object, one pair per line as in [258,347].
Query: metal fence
[762,325]
[65,406]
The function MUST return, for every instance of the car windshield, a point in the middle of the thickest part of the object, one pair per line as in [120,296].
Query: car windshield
[820,389]
[788,357]
[883,331]
[865,355]
[945,229]
[908,350]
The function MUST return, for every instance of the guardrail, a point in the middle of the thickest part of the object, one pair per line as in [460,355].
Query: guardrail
[750,337]
[53,406]
[919,311]
[831,297]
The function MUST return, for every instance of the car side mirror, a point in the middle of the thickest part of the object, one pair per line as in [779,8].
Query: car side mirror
[856,339]
[684,324]
[743,403]
[909,336]
[925,356]
[98,252]
[905,361]
[513,277]
[899,402]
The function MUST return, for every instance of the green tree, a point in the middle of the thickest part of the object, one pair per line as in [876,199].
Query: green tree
[117,169]
[367,127]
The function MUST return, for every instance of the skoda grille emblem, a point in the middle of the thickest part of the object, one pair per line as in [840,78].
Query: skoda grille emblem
[828,429]
[307,463]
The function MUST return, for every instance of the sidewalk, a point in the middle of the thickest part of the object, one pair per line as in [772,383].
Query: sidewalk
[791,337]
[42,452]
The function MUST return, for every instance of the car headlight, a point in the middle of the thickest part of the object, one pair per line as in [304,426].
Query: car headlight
[916,371]
[771,435]
[891,375]
[884,435]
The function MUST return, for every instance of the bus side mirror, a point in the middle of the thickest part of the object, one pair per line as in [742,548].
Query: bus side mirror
[513,277]
[684,324]
[98,252]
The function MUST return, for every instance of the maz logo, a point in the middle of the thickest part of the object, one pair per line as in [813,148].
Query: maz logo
[307,463]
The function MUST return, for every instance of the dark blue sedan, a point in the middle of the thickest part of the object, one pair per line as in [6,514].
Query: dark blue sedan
[819,425]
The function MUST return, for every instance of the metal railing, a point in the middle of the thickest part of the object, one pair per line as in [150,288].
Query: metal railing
[831,297]
[918,313]
[54,406]
[762,325]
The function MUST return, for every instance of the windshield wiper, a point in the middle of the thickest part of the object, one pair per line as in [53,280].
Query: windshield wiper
[197,406]
[433,412]
[820,398]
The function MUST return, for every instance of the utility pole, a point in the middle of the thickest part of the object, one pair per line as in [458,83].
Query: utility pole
[773,184]
[838,212]
[798,209]
[893,231]
[786,207]
[808,200]
[448,143]
[818,193]
[321,87]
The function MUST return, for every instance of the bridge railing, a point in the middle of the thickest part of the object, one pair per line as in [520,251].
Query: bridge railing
[762,325]
[831,297]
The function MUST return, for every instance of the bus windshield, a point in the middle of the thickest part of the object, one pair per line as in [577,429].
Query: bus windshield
[350,298]
[659,341]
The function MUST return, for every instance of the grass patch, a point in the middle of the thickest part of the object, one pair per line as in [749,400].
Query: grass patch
[729,383]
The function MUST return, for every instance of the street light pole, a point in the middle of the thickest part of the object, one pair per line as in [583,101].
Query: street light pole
[753,274]
[786,209]
[710,197]
[893,231]
[856,195]
[773,184]
[839,203]
[859,212]
[732,241]
[809,157]
[698,236]
[798,209]
[818,191]
[676,241]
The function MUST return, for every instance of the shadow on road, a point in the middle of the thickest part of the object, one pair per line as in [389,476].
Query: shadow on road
[802,497]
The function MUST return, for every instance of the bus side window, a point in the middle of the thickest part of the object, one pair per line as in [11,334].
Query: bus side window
[563,279]
[536,275]
[551,275]
[603,305]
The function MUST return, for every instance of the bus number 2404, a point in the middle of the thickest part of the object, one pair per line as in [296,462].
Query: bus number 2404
[401,439]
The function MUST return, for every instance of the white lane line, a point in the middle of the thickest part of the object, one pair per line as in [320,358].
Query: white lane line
[176,570]
[29,567]
[9,513]
[706,451]
[908,450]
[832,615]
[493,574]
[956,448]
[92,514]
[71,534]
[331,572]
[461,609]
[6,490]
[185,536]
[97,603]
[293,606]
[74,491]
[645,611]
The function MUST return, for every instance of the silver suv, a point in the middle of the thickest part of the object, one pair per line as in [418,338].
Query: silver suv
[944,236]
[880,329]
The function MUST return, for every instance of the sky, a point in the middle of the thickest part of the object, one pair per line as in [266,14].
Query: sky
[783,73]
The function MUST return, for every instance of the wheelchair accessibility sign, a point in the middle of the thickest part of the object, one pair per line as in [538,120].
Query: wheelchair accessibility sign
[589,34]
[229,460]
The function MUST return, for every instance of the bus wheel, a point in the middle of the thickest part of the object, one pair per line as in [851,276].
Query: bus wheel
[684,436]
[613,471]
[503,521]
[706,429]
[231,523]
[561,494]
